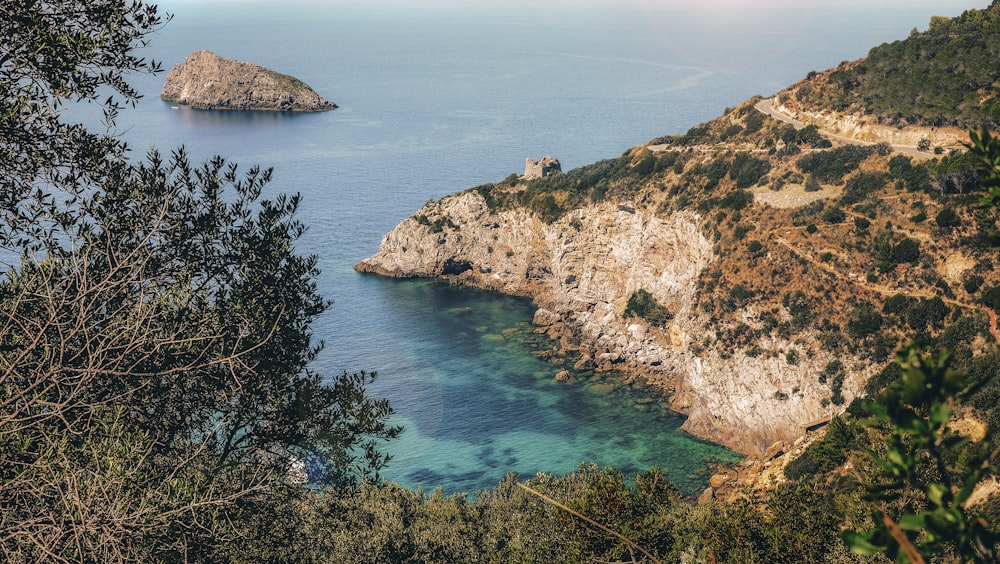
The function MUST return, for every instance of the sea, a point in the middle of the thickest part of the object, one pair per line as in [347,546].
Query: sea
[439,96]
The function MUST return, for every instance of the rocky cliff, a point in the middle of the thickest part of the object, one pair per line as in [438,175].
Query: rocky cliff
[209,82]
[581,269]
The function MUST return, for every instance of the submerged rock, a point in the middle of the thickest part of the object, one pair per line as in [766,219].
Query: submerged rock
[207,81]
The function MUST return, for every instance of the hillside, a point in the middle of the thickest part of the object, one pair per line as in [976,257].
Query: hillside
[790,262]
[944,76]
[762,269]
[796,264]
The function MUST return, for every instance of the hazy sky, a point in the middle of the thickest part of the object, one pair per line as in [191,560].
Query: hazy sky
[725,13]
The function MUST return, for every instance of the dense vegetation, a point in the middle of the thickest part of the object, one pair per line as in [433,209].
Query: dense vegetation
[946,75]
[156,400]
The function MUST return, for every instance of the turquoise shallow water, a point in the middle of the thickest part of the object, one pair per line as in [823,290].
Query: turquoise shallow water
[480,403]
[439,96]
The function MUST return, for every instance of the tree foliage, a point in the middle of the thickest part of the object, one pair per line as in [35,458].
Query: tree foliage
[985,149]
[156,399]
[53,53]
[945,75]
[914,412]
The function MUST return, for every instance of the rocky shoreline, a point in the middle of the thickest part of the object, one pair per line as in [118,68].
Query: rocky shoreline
[580,271]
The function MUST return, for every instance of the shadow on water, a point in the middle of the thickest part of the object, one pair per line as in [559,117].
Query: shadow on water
[222,118]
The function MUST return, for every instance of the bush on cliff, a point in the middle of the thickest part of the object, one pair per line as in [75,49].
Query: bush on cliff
[643,305]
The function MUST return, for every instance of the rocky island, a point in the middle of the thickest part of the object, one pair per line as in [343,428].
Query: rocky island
[206,81]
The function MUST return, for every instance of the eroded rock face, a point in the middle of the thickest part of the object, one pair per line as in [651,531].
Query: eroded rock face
[207,81]
[580,271]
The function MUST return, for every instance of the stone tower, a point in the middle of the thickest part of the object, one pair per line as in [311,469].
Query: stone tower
[541,168]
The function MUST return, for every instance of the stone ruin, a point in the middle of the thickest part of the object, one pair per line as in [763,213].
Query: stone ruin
[541,168]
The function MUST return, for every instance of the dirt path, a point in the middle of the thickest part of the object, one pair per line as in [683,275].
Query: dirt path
[887,291]
[766,106]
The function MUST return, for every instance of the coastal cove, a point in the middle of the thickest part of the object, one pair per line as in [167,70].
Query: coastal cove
[435,102]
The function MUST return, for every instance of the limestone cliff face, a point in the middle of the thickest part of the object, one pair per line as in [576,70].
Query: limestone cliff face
[207,81]
[580,271]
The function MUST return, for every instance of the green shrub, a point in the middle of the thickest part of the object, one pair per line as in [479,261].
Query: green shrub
[863,185]
[754,121]
[792,357]
[833,215]
[926,313]
[863,321]
[734,129]
[898,304]
[546,208]
[831,166]
[737,199]
[747,170]
[643,305]
[812,185]
[972,283]
[947,218]
[739,296]
[825,454]
[799,307]
[741,231]
[991,298]
[907,250]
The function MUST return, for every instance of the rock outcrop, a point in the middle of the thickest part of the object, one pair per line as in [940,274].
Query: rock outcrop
[207,81]
[581,269]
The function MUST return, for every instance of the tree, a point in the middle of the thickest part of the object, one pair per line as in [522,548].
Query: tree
[52,53]
[985,150]
[914,412]
[863,321]
[812,185]
[156,400]
[947,218]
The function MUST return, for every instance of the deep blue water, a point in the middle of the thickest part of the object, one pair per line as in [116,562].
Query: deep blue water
[439,96]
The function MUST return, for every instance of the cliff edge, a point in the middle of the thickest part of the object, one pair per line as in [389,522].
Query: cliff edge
[207,81]
[581,269]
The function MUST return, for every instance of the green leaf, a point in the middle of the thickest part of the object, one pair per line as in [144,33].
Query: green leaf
[859,543]
[938,494]
[967,488]
[909,422]
[940,413]
[912,522]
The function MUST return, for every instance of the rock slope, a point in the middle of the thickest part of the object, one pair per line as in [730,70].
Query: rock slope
[580,271]
[207,81]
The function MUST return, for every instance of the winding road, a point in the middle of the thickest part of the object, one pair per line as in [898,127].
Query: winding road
[766,107]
